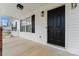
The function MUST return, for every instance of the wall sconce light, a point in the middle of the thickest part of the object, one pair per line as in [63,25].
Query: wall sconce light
[73,5]
[42,14]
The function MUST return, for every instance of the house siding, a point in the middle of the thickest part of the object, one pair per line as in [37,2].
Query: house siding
[72,29]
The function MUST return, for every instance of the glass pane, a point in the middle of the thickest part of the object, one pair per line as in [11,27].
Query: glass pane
[28,25]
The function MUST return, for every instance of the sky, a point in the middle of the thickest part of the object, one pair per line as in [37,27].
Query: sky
[4,20]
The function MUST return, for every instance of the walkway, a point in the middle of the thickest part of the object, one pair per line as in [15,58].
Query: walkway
[14,46]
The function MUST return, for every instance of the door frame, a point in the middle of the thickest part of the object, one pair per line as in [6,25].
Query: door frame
[64,29]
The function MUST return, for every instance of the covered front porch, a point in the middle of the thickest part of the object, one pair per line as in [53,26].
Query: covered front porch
[42,29]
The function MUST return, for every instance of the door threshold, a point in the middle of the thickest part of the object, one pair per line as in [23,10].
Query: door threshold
[56,46]
[53,46]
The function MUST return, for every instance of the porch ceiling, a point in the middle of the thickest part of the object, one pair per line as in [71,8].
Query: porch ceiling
[10,9]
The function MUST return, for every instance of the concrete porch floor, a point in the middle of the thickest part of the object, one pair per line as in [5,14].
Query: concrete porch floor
[15,46]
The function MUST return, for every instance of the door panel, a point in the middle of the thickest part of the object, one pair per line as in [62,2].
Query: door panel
[56,26]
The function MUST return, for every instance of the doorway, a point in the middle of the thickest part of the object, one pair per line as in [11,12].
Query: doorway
[56,26]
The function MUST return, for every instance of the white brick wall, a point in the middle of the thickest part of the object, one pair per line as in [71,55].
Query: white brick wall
[71,24]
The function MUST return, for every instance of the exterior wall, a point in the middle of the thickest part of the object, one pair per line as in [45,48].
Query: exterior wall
[40,25]
[71,25]
[72,29]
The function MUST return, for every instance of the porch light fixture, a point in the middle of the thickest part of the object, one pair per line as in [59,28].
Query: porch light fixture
[42,14]
[73,5]
[19,6]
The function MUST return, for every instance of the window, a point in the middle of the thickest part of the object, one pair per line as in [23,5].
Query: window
[22,25]
[14,26]
[28,24]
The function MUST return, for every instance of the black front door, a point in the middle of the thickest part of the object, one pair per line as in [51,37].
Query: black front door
[56,26]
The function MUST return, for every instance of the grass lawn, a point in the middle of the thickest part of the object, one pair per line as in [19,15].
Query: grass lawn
[6,34]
